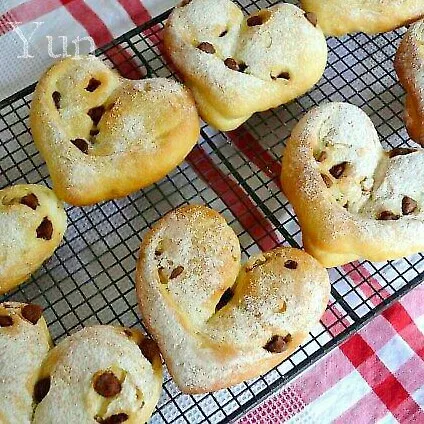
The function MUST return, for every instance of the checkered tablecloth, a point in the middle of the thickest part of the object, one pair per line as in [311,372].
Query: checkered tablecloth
[377,375]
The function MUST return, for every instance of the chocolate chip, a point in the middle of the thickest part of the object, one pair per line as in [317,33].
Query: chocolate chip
[409,205]
[242,67]
[225,298]
[94,132]
[93,85]
[81,144]
[6,321]
[327,180]
[32,312]
[337,170]
[290,264]
[107,384]
[387,216]
[30,200]
[322,157]
[115,419]
[45,229]
[312,18]
[176,272]
[149,349]
[400,151]
[283,75]
[185,3]
[277,344]
[223,33]
[96,114]
[56,96]
[206,47]
[41,389]
[231,63]
[158,252]
[255,21]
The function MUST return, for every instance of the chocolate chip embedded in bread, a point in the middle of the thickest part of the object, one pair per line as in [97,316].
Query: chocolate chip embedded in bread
[401,151]
[409,205]
[115,419]
[94,132]
[32,312]
[327,180]
[6,321]
[277,344]
[290,264]
[387,216]
[56,96]
[231,63]
[107,384]
[96,114]
[223,33]
[176,272]
[41,389]
[338,170]
[255,20]
[225,298]
[45,229]
[206,47]
[242,67]
[149,349]
[283,75]
[312,18]
[93,85]
[30,200]
[81,144]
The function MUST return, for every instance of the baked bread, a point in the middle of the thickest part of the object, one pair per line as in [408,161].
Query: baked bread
[33,222]
[353,199]
[101,374]
[409,65]
[237,66]
[217,322]
[339,17]
[24,342]
[103,136]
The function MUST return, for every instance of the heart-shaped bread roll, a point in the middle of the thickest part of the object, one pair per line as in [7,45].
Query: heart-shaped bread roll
[101,374]
[33,222]
[353,200]
[217,322]
[409,65]
[103,136]
[24,343]
[237,66]
[339,17]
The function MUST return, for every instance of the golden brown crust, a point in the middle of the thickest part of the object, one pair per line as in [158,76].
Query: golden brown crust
[339,17]
[73,365]
[250,67]
[409,65]
[365,213]
[217,322]
[103,136]
[33,222]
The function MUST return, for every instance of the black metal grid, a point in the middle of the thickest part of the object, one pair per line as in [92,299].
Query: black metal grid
[90,277]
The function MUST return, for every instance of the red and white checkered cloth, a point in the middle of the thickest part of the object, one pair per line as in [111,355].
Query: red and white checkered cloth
[377,375]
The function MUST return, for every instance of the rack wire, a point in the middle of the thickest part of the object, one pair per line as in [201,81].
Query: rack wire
[90,278]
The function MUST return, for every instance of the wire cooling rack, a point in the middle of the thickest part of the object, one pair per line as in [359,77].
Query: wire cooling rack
[90,278]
